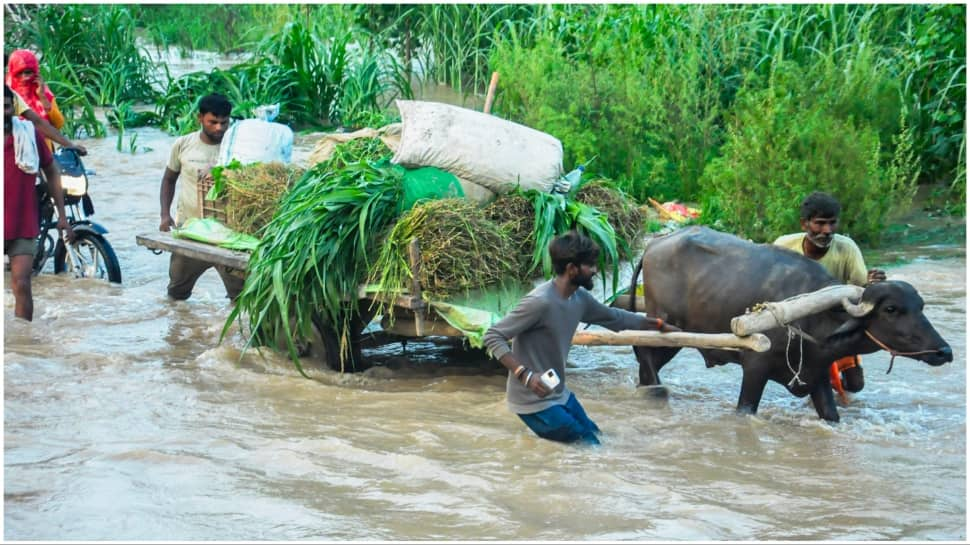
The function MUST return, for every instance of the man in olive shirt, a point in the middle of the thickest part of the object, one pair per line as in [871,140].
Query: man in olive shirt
[542,326]
[841,257]
[192,156]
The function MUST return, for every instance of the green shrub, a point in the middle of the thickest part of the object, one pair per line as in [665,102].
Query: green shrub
[641,88]
[783,144]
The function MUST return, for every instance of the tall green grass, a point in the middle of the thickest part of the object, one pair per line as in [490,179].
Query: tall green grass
[314,253]
[225,28]
[651,90]
[338,79]
[89,58]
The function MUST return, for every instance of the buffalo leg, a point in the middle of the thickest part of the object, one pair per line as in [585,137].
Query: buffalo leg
[652,361]
[824,400]
[753,384]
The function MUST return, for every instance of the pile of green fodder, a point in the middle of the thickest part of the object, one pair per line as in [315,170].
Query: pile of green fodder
[372,150]
[314,253]
[515,215]
[623,214]
[528,220]
[252,192]
[461,250]
[341,224]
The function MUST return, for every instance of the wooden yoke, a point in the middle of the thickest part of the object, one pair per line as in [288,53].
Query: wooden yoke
[771,315]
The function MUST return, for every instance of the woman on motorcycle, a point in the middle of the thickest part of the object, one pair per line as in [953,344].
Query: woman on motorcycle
[23,77]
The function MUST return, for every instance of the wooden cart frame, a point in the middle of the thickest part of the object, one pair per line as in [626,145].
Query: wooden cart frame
[409,316]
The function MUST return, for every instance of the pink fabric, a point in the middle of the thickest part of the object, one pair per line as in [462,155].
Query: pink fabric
[27,87]
[21,217]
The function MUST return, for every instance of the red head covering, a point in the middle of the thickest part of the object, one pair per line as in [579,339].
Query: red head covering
[27,87]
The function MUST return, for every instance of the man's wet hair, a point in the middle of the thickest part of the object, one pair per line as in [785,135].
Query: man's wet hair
[572,247]
[215,104]
[820,205]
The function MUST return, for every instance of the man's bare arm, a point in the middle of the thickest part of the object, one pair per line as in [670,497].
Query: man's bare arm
[166,196]
[53,174]
[51,132]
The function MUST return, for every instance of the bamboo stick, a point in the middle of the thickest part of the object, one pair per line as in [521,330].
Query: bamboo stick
[725,341]
[491,93]
[414,256]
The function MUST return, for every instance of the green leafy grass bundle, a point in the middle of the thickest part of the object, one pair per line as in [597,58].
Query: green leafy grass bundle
[515,214]
[314,253]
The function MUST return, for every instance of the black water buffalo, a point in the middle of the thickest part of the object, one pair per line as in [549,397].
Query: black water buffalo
[698,279]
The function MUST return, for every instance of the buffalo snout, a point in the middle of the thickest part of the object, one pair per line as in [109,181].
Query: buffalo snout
[941,356]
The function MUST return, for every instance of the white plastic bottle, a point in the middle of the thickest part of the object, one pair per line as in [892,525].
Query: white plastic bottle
[570,181]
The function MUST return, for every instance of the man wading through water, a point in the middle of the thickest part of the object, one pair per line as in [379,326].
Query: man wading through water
[541,329]
[192,156]
[842,258]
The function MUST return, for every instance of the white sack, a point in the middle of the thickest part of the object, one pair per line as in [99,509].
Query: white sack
[256,141]
[477,147]
[476,193]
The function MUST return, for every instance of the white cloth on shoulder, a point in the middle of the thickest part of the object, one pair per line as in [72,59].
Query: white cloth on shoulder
[25,145]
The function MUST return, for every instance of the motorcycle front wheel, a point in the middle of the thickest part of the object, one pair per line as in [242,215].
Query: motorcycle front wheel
[91,256]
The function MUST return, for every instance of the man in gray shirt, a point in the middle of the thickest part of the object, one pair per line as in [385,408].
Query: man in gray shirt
[542,325]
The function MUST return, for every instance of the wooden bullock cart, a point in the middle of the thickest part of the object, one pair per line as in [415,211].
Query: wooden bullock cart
[411,316]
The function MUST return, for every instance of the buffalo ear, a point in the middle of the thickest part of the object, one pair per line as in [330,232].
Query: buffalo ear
[851,326]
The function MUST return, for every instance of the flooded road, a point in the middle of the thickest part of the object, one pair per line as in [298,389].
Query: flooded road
[126,420]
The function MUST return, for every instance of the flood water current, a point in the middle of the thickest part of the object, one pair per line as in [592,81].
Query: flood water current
[125,419]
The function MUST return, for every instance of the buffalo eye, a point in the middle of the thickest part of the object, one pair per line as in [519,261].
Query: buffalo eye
[890,309]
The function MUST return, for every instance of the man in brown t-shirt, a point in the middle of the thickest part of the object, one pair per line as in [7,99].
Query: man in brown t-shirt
[192,156]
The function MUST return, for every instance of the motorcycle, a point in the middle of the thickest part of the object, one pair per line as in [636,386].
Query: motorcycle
[90,255]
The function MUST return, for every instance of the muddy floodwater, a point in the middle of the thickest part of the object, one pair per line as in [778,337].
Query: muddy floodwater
[126,420]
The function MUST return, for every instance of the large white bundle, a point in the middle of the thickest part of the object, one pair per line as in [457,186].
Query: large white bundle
[256,141]
[477,147]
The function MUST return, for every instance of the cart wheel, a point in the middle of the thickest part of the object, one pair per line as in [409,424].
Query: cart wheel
[325,346]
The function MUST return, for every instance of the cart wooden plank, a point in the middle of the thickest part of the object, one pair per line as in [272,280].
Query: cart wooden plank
[240,260]
[197,250]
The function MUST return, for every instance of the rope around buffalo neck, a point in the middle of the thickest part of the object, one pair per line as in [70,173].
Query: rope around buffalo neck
[792,331]
[893,353]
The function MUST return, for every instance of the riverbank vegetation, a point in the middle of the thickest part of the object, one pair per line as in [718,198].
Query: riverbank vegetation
[741,108]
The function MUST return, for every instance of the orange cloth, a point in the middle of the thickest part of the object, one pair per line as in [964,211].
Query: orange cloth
[835,373]
[55,115]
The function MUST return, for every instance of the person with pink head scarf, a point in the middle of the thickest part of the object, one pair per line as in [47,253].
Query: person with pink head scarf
[23,77]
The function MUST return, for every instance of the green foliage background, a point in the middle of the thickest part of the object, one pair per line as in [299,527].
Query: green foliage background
[742,108]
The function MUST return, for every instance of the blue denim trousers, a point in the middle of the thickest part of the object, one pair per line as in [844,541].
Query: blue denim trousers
[565,423]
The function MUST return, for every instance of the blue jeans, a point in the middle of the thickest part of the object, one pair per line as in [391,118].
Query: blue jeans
[566,423]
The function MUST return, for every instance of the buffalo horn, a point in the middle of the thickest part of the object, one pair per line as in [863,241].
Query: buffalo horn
[775,314]
[858,310]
